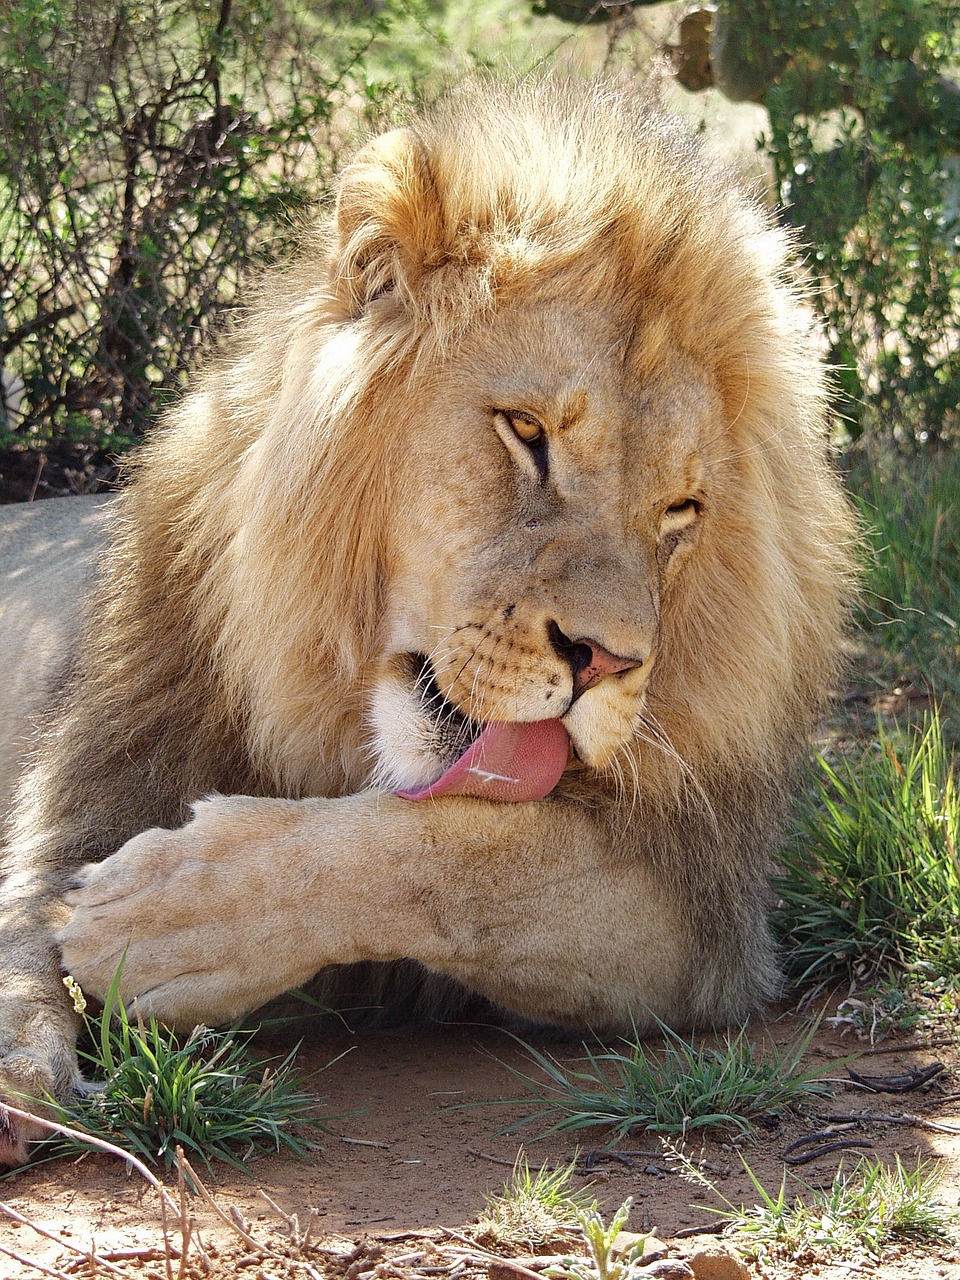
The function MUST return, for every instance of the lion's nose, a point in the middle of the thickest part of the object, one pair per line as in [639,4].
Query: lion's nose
[589,661]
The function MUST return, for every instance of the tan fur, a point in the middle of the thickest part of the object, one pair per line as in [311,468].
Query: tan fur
[346,487]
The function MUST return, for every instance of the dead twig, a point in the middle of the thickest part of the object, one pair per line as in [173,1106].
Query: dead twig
[87,1254]
[36,479]
[822,1144]
[227,1219]
[482,1155]
[507,1269]
[298,1235]
[708,1229]
[937,1042]
[88,1139]
[291,1221]
[826,1149]
[234,1220]
[186,1223]
[146,1253]
[588,1160]
[906,1082]
[32,1262]
[907,1118]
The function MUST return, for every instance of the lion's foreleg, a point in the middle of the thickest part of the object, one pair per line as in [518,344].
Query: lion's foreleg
[533,908]
[38,1026]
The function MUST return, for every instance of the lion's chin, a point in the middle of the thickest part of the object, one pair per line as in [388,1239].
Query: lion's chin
[507,763]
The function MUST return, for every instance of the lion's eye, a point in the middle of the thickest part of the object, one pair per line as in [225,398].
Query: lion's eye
[688,507]
[678,523]
[524,436]
[525,426]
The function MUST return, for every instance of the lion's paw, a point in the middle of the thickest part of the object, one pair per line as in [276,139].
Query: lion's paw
[116,904]
[147,911]
[24,1084]
[189,914]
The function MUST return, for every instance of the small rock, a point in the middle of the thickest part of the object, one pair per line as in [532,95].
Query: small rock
[653,1249]
[627,1239]
[717,1260]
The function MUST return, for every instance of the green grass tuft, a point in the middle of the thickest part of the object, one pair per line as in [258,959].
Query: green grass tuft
[534,1209]
[206,1093]
[871,875]
[860,1212]
[683,1089]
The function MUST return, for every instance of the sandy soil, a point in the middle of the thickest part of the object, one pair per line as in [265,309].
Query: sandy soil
[408,1160]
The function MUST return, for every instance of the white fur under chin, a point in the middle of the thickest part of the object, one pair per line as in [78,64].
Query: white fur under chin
[402,740]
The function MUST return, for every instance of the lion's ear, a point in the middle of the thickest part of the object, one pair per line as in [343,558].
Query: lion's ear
[388,220]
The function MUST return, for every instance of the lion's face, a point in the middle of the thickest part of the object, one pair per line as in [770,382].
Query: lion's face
[557,485]
[544,468]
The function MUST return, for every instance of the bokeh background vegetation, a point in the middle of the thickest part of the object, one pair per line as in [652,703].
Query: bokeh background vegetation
[155,153]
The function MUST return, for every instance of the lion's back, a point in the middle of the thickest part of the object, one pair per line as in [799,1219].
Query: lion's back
[48,552]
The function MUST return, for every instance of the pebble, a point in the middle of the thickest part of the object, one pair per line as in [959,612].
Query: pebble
[717,1260]
[653,1249]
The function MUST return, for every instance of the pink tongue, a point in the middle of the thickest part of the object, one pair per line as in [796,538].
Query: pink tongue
[508,762]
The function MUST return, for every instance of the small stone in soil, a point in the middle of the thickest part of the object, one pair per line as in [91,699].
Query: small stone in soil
[717,1260]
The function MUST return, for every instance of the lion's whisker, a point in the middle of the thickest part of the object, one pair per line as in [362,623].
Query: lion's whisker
[656,736]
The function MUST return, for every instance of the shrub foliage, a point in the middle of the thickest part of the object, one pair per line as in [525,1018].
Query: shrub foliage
[149,152]
[862,124]
[871,876]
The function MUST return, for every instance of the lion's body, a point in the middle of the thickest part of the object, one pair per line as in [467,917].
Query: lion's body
[530,432]
[47,554]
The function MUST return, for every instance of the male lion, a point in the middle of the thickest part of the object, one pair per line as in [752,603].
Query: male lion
[470,612]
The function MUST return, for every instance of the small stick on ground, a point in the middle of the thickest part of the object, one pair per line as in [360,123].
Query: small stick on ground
[482,1155]
[906,1082]
[186,1224]
[873,1117]
[507,1269]
[32,1262]
[938,1042]
[99,1259]
[298,1235]
[234,1221]
[826,1149]
[88,1139]
[202,1191]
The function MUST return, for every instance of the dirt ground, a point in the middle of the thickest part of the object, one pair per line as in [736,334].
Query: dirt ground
[407,1161]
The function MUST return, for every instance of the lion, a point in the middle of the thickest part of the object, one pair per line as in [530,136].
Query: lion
[468,617]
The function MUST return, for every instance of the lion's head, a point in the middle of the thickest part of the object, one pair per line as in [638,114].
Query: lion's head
[542,451]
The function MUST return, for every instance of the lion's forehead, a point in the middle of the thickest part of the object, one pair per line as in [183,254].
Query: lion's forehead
[581,339]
